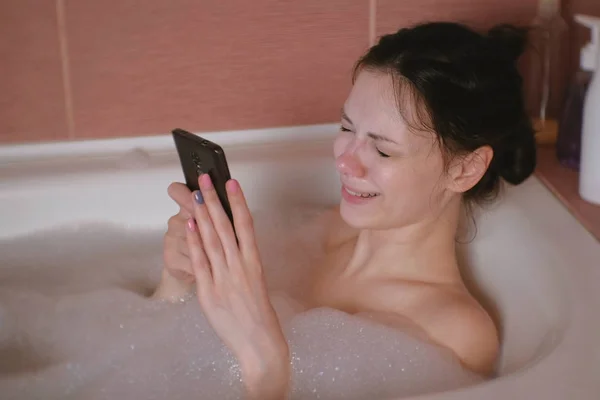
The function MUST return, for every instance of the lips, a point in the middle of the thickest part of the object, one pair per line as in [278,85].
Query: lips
[361,194]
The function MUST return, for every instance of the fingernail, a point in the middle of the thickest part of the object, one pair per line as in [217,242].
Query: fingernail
[205,181]
[233,186]
[198,197]
[191,224]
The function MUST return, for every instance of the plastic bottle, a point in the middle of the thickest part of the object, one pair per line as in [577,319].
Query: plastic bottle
[547,60]
[568,143]
[589,170]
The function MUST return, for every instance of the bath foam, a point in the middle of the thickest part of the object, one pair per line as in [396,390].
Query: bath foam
[336,355]
[76,323]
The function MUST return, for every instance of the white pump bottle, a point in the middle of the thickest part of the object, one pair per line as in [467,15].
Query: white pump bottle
[589,170]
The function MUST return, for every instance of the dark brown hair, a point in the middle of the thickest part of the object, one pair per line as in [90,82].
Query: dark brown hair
[469,93]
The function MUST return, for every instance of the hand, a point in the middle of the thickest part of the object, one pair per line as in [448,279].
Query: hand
[232,291]
[178,276]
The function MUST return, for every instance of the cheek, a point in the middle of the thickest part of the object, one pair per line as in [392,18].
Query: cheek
[408,180]
[388,179]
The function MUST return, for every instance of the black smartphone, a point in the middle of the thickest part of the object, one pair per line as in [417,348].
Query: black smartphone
[201,156]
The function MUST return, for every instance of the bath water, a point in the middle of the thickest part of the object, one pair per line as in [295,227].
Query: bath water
[76,322]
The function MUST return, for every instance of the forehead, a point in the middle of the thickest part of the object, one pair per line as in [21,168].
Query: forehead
[373,98]
[378,104]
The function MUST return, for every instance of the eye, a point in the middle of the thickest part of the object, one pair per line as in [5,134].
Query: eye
[382,154]
[344,129]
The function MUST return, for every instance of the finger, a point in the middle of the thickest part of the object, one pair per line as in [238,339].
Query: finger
[176,225]
[184,271]
[176,254]
[200,264]
[209,238]
[176,233]
[182,247]
[181,195]
[175,244]
[219,218]
[242,219]
[182,276]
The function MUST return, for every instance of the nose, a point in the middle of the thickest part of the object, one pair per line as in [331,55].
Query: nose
[349,164]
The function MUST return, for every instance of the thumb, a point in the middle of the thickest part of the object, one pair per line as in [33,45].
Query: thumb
[182,196]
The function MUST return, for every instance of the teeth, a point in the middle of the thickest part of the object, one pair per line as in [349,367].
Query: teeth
[363,195]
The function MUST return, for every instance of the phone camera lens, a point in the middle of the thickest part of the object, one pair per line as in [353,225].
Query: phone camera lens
[197,162]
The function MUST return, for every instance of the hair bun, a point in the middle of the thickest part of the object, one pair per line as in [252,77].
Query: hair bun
[508,40]
[517,161]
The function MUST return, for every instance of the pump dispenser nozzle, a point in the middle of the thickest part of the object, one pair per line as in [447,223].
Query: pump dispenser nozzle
[590,52]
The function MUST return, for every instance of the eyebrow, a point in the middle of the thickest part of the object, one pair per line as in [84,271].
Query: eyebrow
[372,135]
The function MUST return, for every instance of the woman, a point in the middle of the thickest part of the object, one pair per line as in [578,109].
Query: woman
[434,120]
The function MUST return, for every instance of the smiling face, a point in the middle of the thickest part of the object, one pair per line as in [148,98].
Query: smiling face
[391,176]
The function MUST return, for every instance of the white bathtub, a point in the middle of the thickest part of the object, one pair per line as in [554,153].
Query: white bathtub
[533,262]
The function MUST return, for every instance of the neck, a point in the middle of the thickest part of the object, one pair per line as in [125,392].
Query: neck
[424,251]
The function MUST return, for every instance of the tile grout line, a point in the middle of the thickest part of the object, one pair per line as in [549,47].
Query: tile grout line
[66,73]
[372,22]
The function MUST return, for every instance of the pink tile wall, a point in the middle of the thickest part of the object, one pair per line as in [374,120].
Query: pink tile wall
[140,67]
[144,67]
[32,103]
[392,14]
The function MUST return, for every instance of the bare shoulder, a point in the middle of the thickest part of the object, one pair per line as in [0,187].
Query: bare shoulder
[458,322]
[448,317]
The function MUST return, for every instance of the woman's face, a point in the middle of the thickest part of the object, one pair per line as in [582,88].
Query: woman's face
[391,176]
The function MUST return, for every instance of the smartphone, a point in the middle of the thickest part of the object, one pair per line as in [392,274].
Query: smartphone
[201,156]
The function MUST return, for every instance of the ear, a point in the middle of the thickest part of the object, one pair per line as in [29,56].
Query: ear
[467,170]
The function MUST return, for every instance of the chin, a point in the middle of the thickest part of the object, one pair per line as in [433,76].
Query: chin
[358,217]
